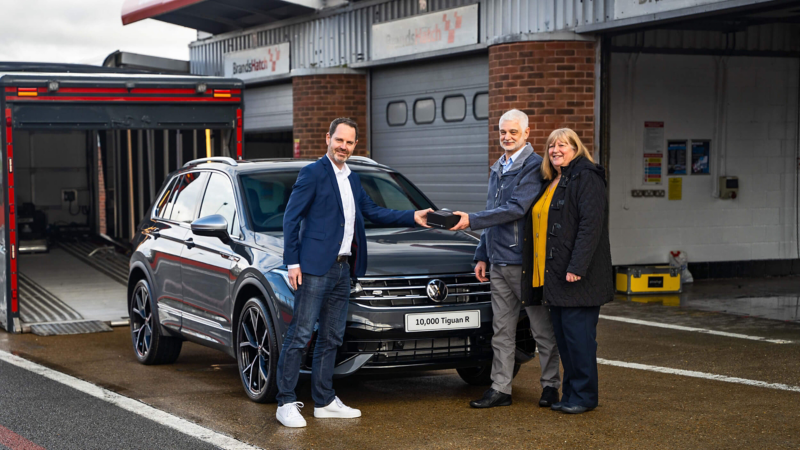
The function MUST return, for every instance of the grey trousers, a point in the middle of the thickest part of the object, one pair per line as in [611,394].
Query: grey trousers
[506,303]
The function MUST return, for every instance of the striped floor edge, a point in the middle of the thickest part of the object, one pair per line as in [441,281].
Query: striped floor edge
[75,327]
[37,304]
[104,259]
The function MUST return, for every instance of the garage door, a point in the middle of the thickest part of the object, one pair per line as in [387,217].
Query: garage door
[268,108]
[429,123]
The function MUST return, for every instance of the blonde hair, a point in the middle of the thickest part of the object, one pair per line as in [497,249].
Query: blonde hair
[569,137]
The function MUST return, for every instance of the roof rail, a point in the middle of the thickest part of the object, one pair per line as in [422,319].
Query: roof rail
[364,159]
[219,159]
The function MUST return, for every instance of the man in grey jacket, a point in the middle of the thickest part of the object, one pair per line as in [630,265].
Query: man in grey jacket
[514,183]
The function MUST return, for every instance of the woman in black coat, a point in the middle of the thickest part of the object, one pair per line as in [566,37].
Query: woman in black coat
[574,276]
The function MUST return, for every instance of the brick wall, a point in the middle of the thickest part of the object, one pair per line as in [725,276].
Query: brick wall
[318,99]
[552,82]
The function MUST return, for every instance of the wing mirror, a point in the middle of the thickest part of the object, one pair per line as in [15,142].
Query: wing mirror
[214,225]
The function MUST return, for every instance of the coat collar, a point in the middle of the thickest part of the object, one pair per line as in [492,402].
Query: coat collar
[517,164]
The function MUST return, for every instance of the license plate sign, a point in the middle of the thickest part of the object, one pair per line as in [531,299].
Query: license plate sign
[443,321]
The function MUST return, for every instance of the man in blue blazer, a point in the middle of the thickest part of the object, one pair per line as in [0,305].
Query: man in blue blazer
[324,236]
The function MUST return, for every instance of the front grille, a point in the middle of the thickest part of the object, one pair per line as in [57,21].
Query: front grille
[412,290]
[415,350]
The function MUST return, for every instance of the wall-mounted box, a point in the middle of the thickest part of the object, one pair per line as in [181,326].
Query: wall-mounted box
[728,187]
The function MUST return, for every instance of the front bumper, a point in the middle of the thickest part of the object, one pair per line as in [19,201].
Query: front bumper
[379,332]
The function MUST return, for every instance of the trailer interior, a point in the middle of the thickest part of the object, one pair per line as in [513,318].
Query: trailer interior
[83,161]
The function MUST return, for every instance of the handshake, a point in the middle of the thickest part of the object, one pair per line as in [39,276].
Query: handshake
[446,219]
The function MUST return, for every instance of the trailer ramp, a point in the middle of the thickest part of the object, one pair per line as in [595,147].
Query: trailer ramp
[77,287]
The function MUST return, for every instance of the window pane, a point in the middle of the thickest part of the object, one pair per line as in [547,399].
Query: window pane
[161,207]
[481,106]
[219,199]
[424,111]
[266,195]
[192,185]
[454,108]
[397,113]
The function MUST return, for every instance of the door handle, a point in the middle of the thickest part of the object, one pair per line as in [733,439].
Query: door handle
[189,243]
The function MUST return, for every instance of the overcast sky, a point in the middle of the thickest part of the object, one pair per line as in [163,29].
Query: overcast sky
[82,31]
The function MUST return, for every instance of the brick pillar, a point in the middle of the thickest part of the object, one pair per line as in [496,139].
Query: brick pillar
[318,99]
[551,81]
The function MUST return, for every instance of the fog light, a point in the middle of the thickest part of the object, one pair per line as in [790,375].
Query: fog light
[201,88]
[52,86]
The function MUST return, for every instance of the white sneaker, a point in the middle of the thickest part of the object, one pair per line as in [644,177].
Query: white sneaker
[289,415]
[336,410]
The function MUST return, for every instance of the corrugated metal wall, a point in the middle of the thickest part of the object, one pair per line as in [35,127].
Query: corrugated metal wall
[343,38]
[269,108]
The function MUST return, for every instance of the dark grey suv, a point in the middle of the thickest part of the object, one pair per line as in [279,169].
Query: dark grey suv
[207,267]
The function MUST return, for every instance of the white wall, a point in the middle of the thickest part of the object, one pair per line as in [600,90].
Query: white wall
[44,164]
[760,120]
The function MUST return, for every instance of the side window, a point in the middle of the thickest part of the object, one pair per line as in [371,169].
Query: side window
[424,111]
[188,195]
[164,207]
[397,113]
[480,106]
[454,108]
[219,199]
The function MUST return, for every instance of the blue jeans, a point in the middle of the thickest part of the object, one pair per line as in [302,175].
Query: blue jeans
[576,335]
[326,299]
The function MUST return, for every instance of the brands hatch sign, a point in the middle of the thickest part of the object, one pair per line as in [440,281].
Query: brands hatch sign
[258,63]
[436,31]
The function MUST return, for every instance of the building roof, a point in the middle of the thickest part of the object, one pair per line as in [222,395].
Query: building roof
[216,16]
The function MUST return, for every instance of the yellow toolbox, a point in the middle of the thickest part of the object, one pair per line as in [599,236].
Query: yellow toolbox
[633,280]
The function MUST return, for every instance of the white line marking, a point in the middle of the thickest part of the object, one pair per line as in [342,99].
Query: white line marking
[134,406]
[693,374]
[696,330]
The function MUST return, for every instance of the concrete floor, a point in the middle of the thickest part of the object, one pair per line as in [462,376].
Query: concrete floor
[430,410]
[91,293]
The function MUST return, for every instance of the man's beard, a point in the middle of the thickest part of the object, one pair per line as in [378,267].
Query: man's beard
[513,147]
[335,155]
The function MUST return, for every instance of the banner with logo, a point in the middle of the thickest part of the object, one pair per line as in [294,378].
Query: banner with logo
[436,31]
[258,63]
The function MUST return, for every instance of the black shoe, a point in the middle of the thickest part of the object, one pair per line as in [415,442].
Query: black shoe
[574,409]
[549,396]
[492,398]
[557,406]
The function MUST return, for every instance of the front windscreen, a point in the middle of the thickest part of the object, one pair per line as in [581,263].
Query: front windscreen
[267,193]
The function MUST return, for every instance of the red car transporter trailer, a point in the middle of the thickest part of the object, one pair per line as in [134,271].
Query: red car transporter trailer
[84,151]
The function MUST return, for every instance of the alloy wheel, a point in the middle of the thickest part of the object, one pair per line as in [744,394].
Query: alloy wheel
[254,354]
[141,321]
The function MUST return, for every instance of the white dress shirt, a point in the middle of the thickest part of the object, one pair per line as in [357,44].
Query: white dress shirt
[349,206]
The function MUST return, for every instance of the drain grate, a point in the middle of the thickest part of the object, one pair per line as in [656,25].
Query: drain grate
[76,327]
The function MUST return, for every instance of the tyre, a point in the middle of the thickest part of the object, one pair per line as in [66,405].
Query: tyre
[257,352]
[149,345]
[481,376]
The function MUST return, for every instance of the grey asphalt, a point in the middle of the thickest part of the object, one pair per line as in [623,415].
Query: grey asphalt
[430,410]
[55,416]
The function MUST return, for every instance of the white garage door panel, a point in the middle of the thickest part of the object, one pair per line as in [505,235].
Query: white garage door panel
[268,108]
[447,160]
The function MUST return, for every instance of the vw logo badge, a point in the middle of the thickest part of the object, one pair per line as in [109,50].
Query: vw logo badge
[437,290]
